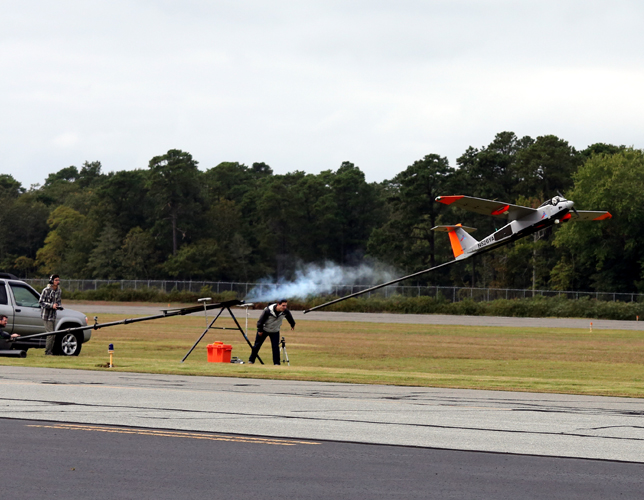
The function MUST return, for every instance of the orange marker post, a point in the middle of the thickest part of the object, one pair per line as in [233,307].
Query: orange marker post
[591,327]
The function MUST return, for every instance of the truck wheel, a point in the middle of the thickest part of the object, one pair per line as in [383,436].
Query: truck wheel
[68,344]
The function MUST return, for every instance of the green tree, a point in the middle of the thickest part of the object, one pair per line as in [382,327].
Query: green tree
[545,167]
[59,187]
[105,258]
[229,180]
[491,172]
[90,174]
[123,201]
[279,212]
[316,217]
[358,213]
[608,255]
[23,220]
[10,187]
[224,224]
[24,266]
[67,247]
[406,239]
[243,185]
[138,255]
[174,184]
[67,174]
[24,226]
[203,259]
[600,148]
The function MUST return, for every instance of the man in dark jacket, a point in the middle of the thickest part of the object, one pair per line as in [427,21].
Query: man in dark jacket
[4,336]
[269,323]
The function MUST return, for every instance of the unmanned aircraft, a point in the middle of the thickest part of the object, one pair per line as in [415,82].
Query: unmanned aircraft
[522,221]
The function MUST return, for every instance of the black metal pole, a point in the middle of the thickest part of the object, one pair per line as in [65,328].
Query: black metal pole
[10,353]
[380,286]
[166,314]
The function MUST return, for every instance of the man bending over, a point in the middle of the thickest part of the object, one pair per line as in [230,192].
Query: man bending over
[269,323]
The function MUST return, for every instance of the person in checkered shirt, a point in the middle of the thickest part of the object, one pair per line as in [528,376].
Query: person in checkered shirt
[49,304]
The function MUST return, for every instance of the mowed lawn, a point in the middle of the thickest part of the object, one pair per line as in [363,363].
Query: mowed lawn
[605,362]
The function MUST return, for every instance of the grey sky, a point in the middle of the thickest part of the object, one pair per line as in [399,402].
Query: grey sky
[305,85]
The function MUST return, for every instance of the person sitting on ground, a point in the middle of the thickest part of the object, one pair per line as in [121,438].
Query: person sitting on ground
[4,335]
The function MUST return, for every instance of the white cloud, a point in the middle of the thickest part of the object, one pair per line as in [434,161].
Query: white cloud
[65,141]
[307,85]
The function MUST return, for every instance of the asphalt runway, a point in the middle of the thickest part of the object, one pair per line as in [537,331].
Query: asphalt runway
[43,459]
[186,437]
[491,421]
[422,319]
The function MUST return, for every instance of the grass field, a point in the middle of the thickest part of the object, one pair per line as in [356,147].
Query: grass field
[607,362]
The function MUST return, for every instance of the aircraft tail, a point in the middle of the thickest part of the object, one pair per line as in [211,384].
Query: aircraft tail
[459,238]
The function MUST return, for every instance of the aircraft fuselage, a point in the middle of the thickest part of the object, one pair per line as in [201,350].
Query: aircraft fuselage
[544,217]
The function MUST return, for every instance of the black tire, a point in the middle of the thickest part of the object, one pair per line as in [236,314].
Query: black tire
[68,344]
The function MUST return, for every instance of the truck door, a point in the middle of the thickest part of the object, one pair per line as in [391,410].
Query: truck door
[27,310]
[5,307]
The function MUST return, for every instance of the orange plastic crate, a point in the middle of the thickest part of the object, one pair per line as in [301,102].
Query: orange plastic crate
[219,352]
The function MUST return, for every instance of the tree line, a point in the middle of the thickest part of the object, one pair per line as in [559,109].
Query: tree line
[235,222]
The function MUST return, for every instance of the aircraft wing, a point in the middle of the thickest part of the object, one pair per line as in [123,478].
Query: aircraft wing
[588,215]
[447,229]
[497,209]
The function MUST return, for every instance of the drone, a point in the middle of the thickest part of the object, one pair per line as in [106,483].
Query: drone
[521,221]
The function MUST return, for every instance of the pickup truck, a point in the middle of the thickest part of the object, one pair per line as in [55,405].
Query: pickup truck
[19,302]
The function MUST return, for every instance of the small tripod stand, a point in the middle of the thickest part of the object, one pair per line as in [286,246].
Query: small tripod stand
[283,350]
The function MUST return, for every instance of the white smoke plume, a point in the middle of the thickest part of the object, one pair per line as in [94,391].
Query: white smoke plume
[319,279]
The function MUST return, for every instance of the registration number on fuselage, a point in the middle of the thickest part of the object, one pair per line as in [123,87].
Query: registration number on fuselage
[486,241]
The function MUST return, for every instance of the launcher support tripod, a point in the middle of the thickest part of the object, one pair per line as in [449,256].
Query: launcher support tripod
[211,327]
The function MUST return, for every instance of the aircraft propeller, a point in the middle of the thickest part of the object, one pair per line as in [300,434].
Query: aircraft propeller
[573,207]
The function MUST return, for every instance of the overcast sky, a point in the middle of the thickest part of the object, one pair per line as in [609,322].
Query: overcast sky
[305,85]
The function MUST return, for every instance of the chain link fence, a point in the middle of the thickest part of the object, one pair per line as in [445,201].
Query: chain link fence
[449,293]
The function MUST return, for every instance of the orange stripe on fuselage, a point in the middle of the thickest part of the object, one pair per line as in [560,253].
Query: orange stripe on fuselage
[607,215]
[456,244]
[448,200]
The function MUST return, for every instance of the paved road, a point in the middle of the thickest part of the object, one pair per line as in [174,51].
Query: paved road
[503,422]
[43,459]
[423,319]
[375,441]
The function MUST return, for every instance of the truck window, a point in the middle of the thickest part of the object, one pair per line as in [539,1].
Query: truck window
[24,296]
[3,294]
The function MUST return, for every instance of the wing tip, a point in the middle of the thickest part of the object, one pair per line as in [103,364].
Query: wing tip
[448,200]
[502,210]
